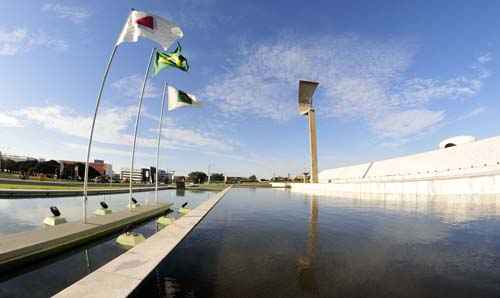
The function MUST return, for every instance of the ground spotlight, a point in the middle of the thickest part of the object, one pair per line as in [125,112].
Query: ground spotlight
[55,218]
[55,211]
[104,205]
[183,210]
[103,210]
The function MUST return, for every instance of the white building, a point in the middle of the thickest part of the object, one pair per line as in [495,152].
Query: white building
[460,166]
[136,175]
[17,158]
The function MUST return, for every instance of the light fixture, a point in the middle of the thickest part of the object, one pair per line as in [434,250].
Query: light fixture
[183,210]
[55,211]
[55,219]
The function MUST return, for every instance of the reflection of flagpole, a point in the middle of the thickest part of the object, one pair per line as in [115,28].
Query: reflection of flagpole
[137,123]
[159,139]
[86,176]
[87,260]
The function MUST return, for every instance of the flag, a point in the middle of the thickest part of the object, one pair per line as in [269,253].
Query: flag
[174,59]
[143,24]
[178,98]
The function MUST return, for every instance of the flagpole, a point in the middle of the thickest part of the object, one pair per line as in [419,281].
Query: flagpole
[98,102]
[137,124]
[159,139]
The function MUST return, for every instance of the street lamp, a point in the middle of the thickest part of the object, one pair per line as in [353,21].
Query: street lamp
[306,91]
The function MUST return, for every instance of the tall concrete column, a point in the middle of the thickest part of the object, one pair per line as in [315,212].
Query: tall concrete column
[311,115]
[306,91]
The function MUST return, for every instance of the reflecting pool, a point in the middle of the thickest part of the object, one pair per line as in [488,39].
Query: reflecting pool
[19,215]
[274,243]
[46,278]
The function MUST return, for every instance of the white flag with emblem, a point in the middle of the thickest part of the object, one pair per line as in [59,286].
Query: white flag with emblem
[143,24]
[178,98]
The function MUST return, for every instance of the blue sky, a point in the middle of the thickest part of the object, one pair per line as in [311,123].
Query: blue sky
[396,77]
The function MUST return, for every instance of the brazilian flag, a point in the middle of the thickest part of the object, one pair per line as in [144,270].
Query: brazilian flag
[170,59]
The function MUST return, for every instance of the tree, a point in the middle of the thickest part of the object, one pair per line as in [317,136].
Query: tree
[50,167]
[198,177]
[9,165]
[252,178]
[217,177]
[26,166]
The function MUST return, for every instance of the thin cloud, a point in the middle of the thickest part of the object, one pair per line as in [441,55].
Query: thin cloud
[360,80]
[11,42]
[20,40]
[485,58]
[9,121]
[474,113]
[113,127]
[130,86]
[407,123]
[74,14]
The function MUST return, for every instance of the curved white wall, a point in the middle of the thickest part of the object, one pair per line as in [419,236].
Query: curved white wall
[476,158]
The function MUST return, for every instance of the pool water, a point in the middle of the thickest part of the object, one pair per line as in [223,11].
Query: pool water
[46,278]
[19,215]
[274,243]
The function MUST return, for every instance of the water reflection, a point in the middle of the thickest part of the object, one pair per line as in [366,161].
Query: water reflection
[87,260]
[305,266]
[450,209]
[273,243]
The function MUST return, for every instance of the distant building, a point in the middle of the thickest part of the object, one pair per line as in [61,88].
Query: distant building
[146,175]
[102,167]
[17,158]
[165,177]
[71,168]
[136,175]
